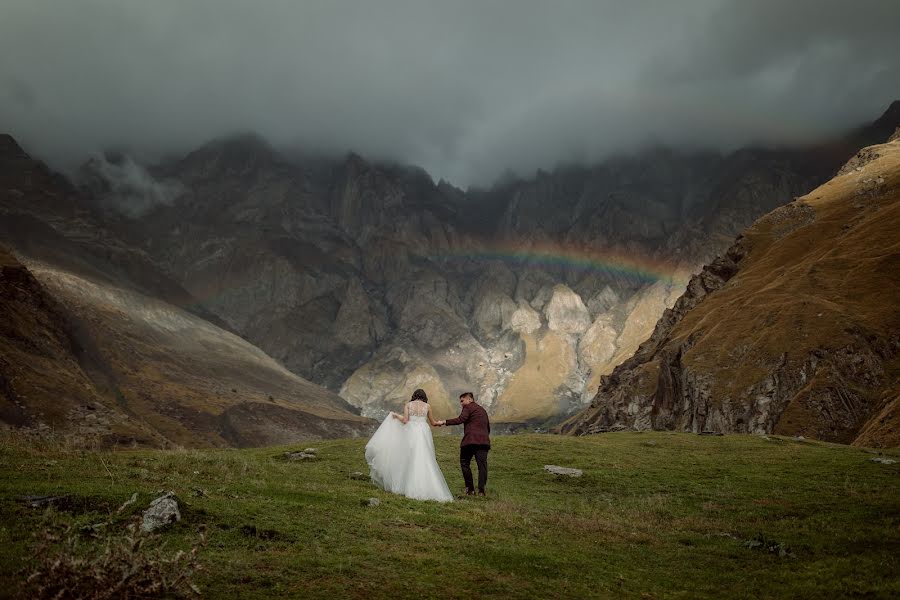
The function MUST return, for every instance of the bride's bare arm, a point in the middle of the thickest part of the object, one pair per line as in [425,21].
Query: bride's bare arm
[405,416]
[431,418]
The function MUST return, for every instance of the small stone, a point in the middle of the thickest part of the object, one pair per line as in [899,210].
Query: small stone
[649,443]
[42,501]
[359,476]
[161,512]
[311,450]
[799,438]
[883,460]
[299,456]
[371,502]
[568,471]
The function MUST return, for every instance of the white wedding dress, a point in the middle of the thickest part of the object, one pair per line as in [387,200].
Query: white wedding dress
[401,457]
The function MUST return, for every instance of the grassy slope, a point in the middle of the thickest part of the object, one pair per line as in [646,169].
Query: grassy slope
[665,520]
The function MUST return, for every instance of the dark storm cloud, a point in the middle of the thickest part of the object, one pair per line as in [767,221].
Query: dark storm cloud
[465,89]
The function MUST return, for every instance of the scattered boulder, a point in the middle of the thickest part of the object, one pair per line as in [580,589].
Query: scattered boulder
[765,544]
[311,450]
[161,512]
[299,455]
[371,502]
[883,460]
[557,470]
[359,476]
[649,443]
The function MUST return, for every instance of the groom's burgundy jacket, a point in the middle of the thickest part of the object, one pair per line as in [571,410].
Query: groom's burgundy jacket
[476,425]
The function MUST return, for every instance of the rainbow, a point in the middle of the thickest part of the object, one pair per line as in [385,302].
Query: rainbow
[612,264]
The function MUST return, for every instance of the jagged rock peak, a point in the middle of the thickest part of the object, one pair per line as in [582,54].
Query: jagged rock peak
[891,117]
[243,151]
[10,148]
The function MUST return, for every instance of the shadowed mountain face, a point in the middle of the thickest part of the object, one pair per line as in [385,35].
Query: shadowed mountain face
[100,343]
[372,281]
[795,330]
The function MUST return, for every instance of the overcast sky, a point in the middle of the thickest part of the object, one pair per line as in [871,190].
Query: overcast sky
[465,89]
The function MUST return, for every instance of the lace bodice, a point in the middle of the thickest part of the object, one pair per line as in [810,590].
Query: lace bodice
[417,408]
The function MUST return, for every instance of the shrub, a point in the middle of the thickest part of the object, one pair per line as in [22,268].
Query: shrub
[118,565]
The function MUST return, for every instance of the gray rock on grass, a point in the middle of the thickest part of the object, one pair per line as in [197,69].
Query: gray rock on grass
[557,470]
[304,455]
[883,460]
[161,512]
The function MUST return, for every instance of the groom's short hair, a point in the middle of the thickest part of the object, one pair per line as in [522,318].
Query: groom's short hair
[467,395]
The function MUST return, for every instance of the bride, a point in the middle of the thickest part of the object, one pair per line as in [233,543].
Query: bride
[401,453]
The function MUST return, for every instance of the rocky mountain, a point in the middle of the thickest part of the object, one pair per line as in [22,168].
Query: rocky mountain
[99,342]
[371,280]
[794,330]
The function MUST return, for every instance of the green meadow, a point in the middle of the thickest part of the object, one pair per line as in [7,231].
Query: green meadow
[655,515]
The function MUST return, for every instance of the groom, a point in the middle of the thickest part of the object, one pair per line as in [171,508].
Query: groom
[476,441]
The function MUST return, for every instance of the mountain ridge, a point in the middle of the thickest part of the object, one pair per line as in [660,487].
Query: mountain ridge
[371,280]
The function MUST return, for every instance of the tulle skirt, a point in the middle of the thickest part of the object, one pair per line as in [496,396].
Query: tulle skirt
[401,460]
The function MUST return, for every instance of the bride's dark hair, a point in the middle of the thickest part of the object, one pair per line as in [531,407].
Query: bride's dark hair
[419,395]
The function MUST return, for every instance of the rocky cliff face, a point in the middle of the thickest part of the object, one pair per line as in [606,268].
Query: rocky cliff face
[794,330]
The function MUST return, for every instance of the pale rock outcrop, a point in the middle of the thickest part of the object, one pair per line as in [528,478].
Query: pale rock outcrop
[566,313]
[602,301]
[598,345]
[525,319]
[494,312]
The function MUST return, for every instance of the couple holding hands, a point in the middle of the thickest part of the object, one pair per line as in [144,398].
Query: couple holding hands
[401,452]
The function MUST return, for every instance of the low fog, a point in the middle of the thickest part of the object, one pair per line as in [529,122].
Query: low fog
[465,89]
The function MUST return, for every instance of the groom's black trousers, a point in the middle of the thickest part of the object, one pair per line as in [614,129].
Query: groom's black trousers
[480,452]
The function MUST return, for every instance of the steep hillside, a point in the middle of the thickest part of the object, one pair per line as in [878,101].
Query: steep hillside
[795,330]
[98,342]
[45,372]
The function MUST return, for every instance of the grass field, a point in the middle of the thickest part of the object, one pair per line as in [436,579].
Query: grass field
[656,515]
